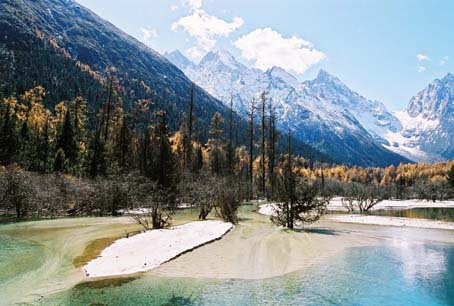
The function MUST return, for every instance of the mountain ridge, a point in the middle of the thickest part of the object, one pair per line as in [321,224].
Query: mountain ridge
[67,49]
[304,107]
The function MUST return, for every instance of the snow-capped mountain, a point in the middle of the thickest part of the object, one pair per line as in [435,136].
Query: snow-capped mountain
[323,112]
[178,59]
[428,123]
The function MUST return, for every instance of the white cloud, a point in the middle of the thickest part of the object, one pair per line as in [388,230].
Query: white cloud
[204,28]
[444,60]
[148,35]
[173,8]
[268,48]
[422,57]
[421,68]
[194,4]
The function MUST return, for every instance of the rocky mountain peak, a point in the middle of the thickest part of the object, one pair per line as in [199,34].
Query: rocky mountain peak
[283,75]
[178,59]
[221,57]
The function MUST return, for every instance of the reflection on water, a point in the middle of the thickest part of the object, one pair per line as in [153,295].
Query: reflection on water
[399,273]
[441,214]
[432,267]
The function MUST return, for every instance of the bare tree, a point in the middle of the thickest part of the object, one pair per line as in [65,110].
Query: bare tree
[16,191]
[200,191]
[152,206]
[367,197]
[227,203]
[299,201]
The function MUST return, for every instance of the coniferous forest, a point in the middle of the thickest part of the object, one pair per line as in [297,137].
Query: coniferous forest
[70,161]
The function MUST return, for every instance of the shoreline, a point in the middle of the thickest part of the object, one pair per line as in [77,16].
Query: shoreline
[268,209]
[149,250]
[336,204]
[393,221]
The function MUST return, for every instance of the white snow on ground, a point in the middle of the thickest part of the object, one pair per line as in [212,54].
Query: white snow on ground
[267,209]
[149,250]
[336,204]
[394,221]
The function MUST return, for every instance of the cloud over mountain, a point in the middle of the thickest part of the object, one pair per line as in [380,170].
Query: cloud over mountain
[267,48]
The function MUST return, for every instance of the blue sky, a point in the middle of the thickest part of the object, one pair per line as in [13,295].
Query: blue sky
[385,50]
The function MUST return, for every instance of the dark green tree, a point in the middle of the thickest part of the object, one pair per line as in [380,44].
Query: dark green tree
[44,148]
[8,135]
[450,177]
[67,140]
[164,161]
[124,144]
[230,148]
[60,161]
[215,145]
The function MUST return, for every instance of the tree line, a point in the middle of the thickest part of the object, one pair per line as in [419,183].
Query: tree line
[61,162]
[122,159]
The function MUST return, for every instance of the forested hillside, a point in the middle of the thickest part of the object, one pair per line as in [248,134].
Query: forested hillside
[71,52]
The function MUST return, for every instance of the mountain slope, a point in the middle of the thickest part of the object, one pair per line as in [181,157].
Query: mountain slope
[67,49]
[322,112]
[428,123]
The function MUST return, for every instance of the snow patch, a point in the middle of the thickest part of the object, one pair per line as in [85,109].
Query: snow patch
[149,250]
[394,221]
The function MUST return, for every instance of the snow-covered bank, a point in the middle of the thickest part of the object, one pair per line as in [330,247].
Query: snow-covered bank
[146,251]
[336,204]
[393,221]
[267,209]
[380,220]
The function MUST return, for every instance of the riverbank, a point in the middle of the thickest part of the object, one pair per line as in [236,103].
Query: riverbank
[336,204]
[393,221]
[269,210]
[146,251]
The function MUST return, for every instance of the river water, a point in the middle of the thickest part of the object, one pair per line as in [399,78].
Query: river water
[255,264]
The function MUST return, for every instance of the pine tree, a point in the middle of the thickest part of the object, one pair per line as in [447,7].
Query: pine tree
[190,126]
[197,163]
[145,155]
[124,143]
[251,151]
[67,140]
[60,161]
[272,143]
[8,137]
[44,148]
[108,109]
[79,112]
[164,164]
[262,146]
[450,177]
[25,147]
[230,149]
[97,160]
[215,144]
[187,144]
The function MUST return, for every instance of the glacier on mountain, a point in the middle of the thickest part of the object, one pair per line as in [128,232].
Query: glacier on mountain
[327,114]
